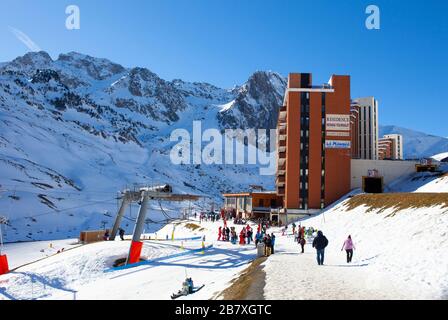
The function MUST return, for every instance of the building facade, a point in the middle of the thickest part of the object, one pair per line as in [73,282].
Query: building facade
[385,148]
[313,143]
[252,205]
[364,114]
[397,148]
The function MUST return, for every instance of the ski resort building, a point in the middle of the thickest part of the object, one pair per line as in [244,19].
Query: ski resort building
[364,127]
[313,143]
[391,147]
[252,205]
[385,148]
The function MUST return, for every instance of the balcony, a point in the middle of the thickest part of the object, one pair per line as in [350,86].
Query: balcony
[282,114]
[281,191]
[282,134]
[280,181]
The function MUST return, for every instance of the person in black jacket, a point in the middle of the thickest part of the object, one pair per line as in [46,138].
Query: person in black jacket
[121,233]
[320,243]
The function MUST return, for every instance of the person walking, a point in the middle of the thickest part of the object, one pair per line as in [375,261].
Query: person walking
[293,228]
[267,245]
[121,233]
[272,243]
[302,243]
[348,246]
[320,243]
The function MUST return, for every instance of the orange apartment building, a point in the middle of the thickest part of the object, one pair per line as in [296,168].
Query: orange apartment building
[313,143]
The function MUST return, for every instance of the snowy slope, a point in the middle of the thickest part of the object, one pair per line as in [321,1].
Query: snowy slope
[399,256]
[422,182]
[84,272]
[76,130]
[417,144]
[440,156]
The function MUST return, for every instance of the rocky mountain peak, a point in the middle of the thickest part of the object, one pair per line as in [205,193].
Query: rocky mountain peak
[30,62]
[96,68]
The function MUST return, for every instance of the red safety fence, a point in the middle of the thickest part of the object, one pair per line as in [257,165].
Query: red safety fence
[135,252]
[3,264]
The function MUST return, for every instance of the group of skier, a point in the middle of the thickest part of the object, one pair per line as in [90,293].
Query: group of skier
[320,242]
[229,234]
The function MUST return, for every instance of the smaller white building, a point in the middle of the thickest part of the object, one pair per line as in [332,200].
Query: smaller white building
[367,109]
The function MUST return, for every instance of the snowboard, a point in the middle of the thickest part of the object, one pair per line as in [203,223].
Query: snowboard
[177,295]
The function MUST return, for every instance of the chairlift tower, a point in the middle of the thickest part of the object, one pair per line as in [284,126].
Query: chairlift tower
[142,196]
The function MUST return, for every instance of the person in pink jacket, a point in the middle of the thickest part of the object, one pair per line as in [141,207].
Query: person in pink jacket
[348,246]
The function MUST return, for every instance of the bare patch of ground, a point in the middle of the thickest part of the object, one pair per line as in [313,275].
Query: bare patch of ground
[192,226]
[397,201]
[249,285]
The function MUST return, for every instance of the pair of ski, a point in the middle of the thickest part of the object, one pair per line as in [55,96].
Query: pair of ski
[177,295]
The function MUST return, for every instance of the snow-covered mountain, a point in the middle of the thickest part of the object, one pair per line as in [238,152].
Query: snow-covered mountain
[75,130]
[417,144]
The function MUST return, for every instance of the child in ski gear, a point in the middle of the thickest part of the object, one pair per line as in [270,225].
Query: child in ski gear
[320,243]
[190,285]
[219,233]
[106,235]
[258,238]
[348,246]
[243,236]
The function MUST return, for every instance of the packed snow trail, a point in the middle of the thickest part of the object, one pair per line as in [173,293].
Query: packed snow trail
[400,254]
[292,275]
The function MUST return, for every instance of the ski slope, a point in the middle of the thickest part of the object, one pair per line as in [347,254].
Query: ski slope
[85,272]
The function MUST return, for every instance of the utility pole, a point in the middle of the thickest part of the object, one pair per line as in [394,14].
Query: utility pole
[3,221]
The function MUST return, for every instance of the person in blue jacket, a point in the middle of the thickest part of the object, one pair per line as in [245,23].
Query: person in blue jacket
[272,243]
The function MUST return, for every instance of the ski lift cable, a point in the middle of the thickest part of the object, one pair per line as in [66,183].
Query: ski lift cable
[15,186]
[62,210]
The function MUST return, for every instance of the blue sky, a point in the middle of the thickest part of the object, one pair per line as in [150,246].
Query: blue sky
[404,64]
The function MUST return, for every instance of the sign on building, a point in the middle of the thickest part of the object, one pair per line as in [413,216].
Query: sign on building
[337,144]
[337,122]
[338,134]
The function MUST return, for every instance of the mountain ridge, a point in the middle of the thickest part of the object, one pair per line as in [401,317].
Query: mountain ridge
[76,130]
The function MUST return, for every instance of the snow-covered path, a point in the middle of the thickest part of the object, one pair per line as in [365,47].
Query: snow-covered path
[334,280]
[400,254]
